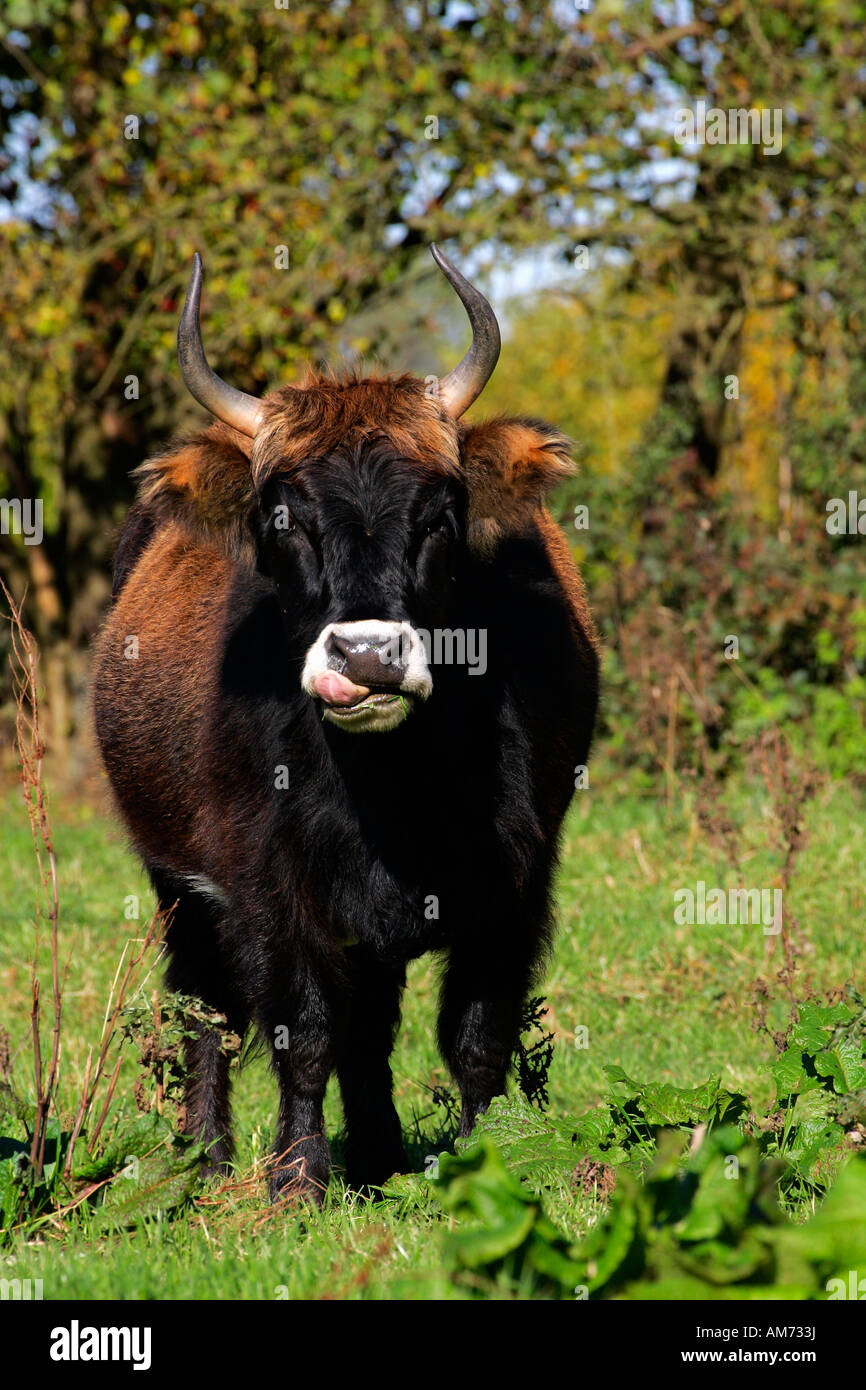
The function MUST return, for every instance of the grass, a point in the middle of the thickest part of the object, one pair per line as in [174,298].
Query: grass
[664,1002]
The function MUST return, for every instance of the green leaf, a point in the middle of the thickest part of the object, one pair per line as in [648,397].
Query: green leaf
[482,1245]
[505,1228]
[789,1073]
[135,1139]
[9,1148]
[662,1104]
[725,1188]
[844,1065]
[620,1230]
[719,1262]
[150,1188]
[815,1024]
[16,1180]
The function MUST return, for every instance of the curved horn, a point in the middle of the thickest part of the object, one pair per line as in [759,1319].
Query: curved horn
[225,402]
[461,386]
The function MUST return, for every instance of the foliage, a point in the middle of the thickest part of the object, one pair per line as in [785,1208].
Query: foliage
[534,1053]
[548,1151]
[24,1190]
[820,1080]
[152,1171]
[352,135]
[141,1169]
[706,1223]
[159,1027]
[707,1226]
[713,1229]
[663,1104]
[695,1190]
[677,695]
[501,1225]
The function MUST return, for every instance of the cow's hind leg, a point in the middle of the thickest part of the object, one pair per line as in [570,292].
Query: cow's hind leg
[368,1023]
[197,967]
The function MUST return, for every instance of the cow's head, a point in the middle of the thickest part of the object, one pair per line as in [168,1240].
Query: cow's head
[362,498]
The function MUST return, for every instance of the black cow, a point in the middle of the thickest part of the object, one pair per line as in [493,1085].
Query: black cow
[339,560]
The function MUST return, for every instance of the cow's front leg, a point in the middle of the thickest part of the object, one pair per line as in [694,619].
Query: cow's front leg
[368,1022]
[301,1036]
[479,1025]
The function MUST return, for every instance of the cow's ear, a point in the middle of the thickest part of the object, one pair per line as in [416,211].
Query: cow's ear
[509,466]
[205,484]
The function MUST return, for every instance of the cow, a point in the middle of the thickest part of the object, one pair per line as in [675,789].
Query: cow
[347,678]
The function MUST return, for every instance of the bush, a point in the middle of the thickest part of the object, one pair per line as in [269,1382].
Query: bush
[676,568]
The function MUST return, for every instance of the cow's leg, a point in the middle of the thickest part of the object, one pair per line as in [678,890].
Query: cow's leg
[296,1018]
[479,1022]
[368,1023]
[197,967]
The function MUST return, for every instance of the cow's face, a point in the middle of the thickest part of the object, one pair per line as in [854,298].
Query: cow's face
[361,494]
[362,547]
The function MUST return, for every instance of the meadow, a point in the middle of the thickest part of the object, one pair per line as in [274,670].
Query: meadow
[625,987]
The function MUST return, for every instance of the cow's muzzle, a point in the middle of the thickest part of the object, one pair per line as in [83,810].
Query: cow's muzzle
[368,675]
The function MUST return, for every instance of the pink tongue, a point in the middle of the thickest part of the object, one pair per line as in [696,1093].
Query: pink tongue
[339,690]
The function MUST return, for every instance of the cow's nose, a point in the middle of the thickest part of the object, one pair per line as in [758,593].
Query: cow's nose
[367,661]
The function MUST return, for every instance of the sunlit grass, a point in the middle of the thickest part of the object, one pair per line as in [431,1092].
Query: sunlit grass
[665,1002]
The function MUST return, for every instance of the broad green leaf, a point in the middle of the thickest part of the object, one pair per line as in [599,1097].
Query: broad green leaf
[844,1064]
[154,1187]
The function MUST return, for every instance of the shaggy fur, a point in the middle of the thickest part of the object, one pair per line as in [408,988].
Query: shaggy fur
[276,838]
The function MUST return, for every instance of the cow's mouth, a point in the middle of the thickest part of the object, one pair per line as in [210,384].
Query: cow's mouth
[376,700]
[358,707]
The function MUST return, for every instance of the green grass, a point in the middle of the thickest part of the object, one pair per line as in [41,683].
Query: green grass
[665,1002]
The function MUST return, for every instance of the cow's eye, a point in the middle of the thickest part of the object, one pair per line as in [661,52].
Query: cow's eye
[439,524]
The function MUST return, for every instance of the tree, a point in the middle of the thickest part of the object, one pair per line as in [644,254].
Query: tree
[312,151]
[308,151]
[733,227]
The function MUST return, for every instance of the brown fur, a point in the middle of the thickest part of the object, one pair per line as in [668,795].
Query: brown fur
[324,414]
[204,483]
[172,603]
[509,466]
[568,574]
